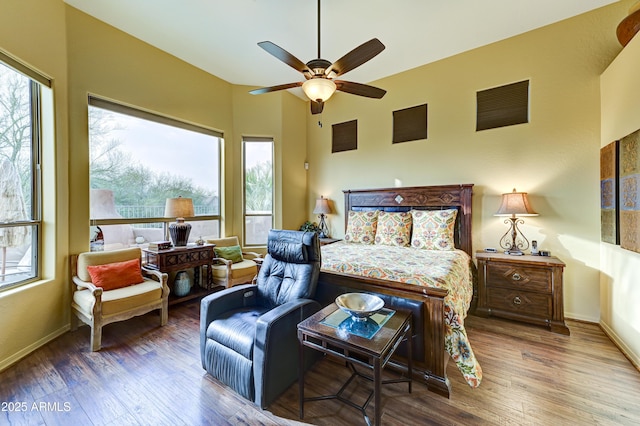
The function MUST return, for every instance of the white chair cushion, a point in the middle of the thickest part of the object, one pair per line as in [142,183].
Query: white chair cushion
[121,299]
[240,269]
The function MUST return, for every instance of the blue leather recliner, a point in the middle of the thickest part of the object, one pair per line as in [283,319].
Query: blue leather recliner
[248,333]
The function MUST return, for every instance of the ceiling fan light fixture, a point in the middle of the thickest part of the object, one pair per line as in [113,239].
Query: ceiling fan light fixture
[319,89]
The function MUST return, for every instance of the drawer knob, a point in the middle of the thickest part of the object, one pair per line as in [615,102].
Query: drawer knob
[516,277]
[516,300]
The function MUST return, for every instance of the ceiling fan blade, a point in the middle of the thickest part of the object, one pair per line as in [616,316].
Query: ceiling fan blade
[359,89]
[275,88]
[316,107]
[285,56]
[356,57]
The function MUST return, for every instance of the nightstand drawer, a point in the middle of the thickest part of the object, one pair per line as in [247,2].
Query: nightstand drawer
[522,302]
[519,277]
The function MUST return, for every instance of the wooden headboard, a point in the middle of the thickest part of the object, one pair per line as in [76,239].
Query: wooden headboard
[420,198]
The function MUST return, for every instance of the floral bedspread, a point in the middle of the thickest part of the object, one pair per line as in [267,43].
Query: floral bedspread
[431,268]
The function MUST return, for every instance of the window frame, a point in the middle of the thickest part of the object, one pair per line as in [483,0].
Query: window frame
[36,81]
[245,140]
[97,102]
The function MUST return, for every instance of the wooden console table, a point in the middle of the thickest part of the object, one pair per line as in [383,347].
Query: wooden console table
[180,258]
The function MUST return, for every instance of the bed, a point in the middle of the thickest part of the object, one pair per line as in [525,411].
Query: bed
[435,284]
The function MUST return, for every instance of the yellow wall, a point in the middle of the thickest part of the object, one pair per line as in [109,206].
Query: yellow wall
[294,155]
[619,279]
[554,157]
[33,31]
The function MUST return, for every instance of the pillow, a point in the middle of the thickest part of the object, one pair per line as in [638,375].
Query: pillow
[232,253]
[111,276]
[433,229]
[361,227]
[394,229]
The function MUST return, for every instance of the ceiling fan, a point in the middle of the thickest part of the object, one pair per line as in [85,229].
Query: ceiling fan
[320,74]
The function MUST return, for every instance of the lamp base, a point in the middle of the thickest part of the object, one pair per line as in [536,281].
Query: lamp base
[180,233]
[324,229]
[513,242]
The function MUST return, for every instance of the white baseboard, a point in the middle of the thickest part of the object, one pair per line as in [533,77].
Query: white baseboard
[578,317]
[634,358]
[7,362]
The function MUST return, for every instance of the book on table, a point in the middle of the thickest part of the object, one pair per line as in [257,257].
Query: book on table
[160,245]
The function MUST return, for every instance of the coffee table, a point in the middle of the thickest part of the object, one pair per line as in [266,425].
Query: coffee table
[367,344]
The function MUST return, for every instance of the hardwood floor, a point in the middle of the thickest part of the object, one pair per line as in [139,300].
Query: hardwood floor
[150,375]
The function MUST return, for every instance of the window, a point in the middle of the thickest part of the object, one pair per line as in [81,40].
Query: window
[20,201]
[138,160]
[258,190]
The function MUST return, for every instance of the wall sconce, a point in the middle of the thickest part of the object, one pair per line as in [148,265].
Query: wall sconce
[322,208]
[179,208]
[514,204]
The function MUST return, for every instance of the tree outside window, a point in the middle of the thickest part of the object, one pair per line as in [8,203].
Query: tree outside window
[19,97]
[258,190]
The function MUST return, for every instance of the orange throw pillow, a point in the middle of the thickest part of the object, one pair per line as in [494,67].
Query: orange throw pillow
[111,276]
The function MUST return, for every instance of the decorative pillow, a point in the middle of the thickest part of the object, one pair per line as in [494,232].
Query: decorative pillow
[394,229]
[232,253]
[433,229]
[361,227]
[111,276]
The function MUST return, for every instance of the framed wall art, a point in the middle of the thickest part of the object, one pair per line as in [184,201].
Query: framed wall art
[629,189]
[609,200]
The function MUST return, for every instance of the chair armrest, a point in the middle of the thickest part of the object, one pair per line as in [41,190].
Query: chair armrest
[215,304]
[161,277]
[227,263]
[95,290]
[251,255]
[151,273]
[303,308]
[222,260]
[275,352]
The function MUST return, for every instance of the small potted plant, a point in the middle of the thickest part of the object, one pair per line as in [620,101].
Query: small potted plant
[310,227]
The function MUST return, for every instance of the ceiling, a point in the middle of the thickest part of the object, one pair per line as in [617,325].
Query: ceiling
[221,36]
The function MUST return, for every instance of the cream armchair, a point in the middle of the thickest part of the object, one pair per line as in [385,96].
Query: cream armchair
[229,273]
[97,307]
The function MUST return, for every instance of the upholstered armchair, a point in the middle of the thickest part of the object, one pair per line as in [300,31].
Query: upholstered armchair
[248,333]
[231,265]
[110,286]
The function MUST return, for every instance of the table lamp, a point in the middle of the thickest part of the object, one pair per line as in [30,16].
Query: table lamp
[322,208]
[514,204]
[179,208]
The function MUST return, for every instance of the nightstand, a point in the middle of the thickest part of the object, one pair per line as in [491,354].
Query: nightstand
[522,288]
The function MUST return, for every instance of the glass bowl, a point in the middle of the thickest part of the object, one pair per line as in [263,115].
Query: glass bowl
[359,305]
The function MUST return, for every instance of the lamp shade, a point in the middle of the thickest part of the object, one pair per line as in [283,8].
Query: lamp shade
[319,89]
[515,204]
[322,206]
[178,207]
